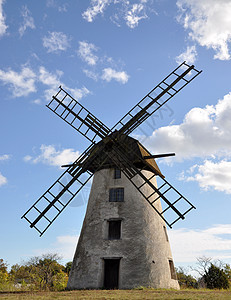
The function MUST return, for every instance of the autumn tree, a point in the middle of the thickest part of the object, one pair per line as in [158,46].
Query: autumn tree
[41,272]
[23,274]
[47,271]
[3,266]
[4,276]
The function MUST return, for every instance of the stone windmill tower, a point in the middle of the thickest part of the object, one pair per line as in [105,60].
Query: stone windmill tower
[123,242]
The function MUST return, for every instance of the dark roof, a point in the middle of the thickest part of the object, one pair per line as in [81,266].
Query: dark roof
[132,149]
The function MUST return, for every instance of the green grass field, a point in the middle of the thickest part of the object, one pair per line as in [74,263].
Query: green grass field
[122,294]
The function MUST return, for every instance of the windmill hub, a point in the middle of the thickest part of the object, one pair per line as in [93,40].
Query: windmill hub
[116,148]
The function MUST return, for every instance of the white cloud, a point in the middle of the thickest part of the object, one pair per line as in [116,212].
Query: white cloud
[28,21]
[50,156]
[208,23]
[212,175]
[97,7]
[3,179]
[56,41]
[4,157]
[54,4]
[86,50]
[135,14]
[109,74]
[63,8]
[3,26]
[37,101]
[48,78]
[21,83]
[65,246]
[189,56]
[206,242]
[97,65]
[203,133]
[91,74]
[52,80]
[78,93]
[48,93]
[131,13]
[27,158]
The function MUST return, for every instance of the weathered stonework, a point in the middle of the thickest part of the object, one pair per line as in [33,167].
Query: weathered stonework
[143,249]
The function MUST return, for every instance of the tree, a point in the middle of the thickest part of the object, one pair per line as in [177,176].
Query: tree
[216,278]
[4,276]
[203,264]
[68,267]
[212,274]
[22,274]
[3,266]
[41,272]
[45,268]
[186,281]
[227,270]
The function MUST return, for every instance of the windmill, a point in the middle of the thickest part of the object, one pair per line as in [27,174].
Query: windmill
[123,242]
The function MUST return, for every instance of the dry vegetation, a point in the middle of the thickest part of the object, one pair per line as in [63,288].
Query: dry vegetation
[122,294]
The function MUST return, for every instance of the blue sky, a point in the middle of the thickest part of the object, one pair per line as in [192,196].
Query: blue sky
[108,55]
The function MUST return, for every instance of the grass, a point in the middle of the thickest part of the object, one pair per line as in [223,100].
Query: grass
[189,294]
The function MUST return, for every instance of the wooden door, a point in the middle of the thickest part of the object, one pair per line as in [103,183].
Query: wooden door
[111,273]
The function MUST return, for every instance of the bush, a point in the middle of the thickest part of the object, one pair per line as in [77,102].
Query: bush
[216,278]
[186,281]
[60,281]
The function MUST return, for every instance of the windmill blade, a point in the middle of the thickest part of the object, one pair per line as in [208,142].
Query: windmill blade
[159,155]
[174,203]
[76,115]
[49,206]
[157,97]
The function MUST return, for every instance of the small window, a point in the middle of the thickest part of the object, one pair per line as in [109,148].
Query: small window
[172,270]
[117,173]
[165,232]
[116,195]
[114,230]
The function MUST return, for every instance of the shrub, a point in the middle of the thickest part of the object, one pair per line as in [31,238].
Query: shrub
[216,278]
[186,281]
